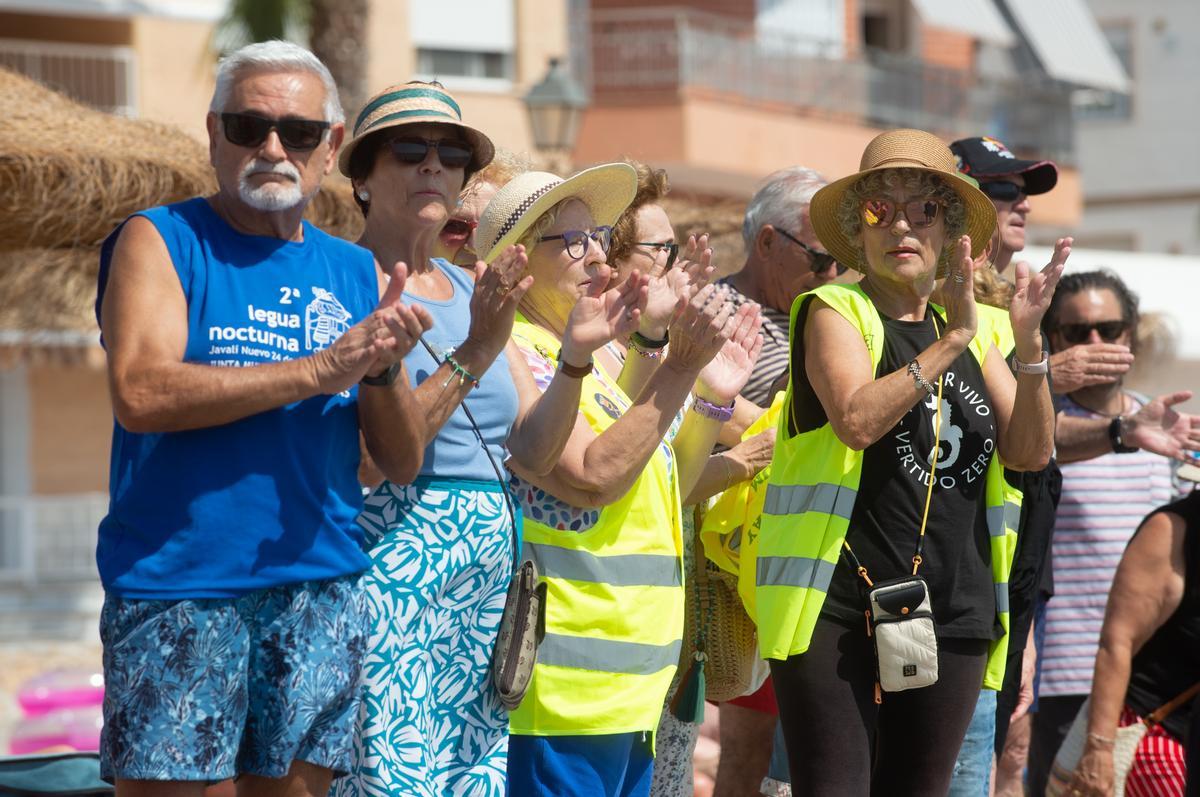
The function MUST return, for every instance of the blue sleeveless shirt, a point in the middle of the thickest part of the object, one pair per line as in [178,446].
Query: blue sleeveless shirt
[455,453]
[269,499]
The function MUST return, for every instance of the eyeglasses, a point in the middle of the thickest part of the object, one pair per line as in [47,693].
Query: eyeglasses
[1079,333]
[881,212]
[452,153]
[1003,190]
[576,241]
[820,260]
[251,130]
[459,228]
[672,250]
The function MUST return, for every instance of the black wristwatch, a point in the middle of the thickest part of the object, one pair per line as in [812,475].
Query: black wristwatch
[1114,437]
[384,379]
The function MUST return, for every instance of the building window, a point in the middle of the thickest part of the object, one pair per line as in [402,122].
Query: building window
[464,63]
[1099,104]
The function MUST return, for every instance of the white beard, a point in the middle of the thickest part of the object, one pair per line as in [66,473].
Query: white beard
[270,197]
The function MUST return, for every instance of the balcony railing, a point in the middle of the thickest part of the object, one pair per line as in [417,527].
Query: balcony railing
[641,54]
[45,539]
[100,76]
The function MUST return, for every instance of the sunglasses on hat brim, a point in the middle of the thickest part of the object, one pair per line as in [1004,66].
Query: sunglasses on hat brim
[251,130]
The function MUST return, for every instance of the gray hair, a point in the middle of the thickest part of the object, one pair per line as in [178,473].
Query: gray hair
[274,56]
[780,201]
[914,181]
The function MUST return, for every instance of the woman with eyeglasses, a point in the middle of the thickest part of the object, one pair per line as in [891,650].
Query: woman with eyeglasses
[887,473]
[603,524]
[644,239]
[1110,482]
[442,547]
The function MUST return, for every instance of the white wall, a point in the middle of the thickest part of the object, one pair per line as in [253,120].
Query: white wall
[1154,151]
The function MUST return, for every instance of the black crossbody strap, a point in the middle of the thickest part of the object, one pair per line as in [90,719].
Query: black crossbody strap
[508,499]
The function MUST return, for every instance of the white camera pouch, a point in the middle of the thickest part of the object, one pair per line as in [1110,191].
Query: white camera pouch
[902,625]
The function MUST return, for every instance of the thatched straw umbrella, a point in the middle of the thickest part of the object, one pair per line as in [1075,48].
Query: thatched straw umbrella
[68,175]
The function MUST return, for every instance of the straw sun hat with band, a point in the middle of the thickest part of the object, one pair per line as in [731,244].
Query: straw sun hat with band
[606,190]
[902,149]
[409,104]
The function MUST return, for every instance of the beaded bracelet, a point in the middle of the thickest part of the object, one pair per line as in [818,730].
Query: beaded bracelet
[463,374]
[710,410]
[636,347]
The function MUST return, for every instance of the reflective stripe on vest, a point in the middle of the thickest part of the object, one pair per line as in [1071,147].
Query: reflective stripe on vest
[794,571]
[614,593]
[1001,518]
[588,653]
[813,484]
[622,570]
[796,499]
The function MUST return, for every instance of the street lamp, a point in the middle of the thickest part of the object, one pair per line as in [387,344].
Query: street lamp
[555,105]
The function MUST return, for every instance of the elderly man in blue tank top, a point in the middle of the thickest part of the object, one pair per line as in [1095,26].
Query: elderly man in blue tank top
[246,352]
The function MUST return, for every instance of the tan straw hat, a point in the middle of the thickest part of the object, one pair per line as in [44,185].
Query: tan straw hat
[607,190]
[902,149]
[414,103]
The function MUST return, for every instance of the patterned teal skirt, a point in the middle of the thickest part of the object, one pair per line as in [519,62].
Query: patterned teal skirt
[431,724]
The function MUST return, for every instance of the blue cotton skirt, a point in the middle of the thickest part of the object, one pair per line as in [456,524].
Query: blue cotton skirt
[430,723]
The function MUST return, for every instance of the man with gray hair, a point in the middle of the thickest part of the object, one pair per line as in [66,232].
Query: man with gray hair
[238,336]
[783,260]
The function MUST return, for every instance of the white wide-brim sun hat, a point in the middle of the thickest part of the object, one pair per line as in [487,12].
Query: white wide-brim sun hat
[606,190]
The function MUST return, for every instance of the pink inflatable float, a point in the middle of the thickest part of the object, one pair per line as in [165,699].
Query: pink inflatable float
[62,711]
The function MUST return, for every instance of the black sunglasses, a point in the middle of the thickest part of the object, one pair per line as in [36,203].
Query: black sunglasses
[1003,190]
[452,153]
[820,260]
[251,130]
[672,250]
[576,241]
[1079,333]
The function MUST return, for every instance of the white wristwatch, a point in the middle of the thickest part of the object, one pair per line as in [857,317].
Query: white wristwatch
[1042,367]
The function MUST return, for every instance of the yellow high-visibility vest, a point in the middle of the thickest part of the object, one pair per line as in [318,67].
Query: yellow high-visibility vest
[615,600]
[810,497]
[729,532]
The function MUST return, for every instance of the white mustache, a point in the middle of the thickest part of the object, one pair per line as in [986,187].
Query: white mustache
[259,166]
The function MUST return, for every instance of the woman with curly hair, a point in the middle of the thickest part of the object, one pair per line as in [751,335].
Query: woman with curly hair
[887,471]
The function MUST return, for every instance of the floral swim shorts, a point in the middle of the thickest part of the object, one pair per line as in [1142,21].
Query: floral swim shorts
[205,689]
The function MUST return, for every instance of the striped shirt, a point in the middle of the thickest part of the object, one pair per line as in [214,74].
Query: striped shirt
[1103,502]
[773,361]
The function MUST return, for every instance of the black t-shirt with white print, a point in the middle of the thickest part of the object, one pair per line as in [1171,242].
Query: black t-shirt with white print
[886,520]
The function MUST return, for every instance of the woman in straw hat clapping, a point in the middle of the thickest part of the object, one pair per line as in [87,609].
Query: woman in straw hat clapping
[603,525]
[442,547]
[887,532]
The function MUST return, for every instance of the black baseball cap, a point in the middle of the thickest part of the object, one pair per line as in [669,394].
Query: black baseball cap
[983,158]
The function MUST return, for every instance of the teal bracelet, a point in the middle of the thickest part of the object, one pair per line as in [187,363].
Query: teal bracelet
[463,374]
